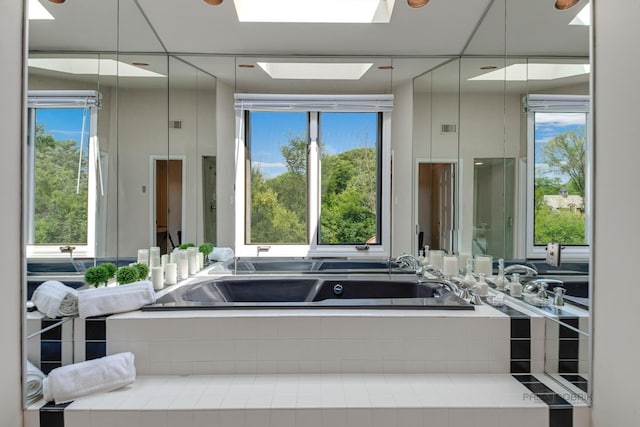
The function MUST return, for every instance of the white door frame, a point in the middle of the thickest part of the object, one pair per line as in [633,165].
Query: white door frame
[152,191]
[457,164]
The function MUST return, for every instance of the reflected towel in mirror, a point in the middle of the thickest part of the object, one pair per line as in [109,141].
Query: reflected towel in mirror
[115,299]
[35,377]
[221,254]
[55,299]
[93,376]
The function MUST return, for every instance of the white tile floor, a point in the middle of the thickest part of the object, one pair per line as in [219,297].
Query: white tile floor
[308,400]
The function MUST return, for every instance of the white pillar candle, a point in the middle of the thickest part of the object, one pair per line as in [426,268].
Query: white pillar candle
[463,257]
[483,265]
[164,260]
[174,257]
[436,258]
[154,261]
[157,278]
[171,273]
[450,265]
[200,258]
[154,251]
[143,256]
[193,260]
[183,265]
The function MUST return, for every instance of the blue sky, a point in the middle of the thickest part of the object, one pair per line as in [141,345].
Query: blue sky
[547,126]
[339,132]
[62,123]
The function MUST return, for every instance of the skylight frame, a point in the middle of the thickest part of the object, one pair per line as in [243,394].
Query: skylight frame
[316,70]
[37,12]
[92,66]
[533,71]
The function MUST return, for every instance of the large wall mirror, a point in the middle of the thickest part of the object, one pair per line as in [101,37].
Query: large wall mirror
[143,135]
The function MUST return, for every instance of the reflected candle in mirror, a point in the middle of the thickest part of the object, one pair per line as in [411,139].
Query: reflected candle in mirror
[463,257]
[483,265]
[174,257]
[154,251]
[450,265]
[143,256]
[183,265]
[436,258]
[193,260]
[157,278]
[164,260]
[154,261]
[171,273]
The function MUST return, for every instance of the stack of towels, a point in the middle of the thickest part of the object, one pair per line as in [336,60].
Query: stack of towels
[35,378]
[107,373]
[221,254]
[55,299]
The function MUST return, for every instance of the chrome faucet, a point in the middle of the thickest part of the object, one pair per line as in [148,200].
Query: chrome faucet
[539,286]
[445,284]
[409,261]
[68,249]
[523,270]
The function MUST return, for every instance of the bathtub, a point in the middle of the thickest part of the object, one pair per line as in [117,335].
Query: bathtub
[331,291]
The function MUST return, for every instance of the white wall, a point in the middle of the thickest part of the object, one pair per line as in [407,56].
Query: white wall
[11,50]
[616,337]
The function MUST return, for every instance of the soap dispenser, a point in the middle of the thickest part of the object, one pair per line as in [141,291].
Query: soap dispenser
[425,259]
[482,287]
[515,287]
[501,281]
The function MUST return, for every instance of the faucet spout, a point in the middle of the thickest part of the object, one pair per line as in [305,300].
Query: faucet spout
[409,261]
[523,270]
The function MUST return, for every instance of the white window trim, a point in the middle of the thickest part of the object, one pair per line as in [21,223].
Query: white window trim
[313,104]
[557,104]
[65,99]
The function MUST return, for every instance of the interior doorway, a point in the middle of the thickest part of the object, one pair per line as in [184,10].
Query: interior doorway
[168,204]
[209,198]
[435,224]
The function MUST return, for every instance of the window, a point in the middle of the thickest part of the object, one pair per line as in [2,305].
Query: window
[313,182]
[558,188]
[62,147]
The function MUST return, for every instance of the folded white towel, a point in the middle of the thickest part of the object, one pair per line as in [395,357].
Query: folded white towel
[93,376]
[221,254]
[35,378]
[115,299]
[55,299]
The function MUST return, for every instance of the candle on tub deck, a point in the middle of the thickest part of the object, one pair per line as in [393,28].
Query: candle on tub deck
[183,265]
[171,273]
[174,257]
[483,265]
[157,278]
[436,258]
[193,260]
[143,256]
[154,251]
[154,261]
[463,257]
[164,260]
[450,265]
[200,260]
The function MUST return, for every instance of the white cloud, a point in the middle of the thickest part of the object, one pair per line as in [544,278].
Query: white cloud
[266,165]
[562,119]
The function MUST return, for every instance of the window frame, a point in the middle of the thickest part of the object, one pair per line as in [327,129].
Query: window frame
[38,100]
[557,104]
[313,105]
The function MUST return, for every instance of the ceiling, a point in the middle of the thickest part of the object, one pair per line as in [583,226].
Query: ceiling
[414,41]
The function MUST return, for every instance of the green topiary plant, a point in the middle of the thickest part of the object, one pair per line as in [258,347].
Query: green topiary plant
[127,275]
[143,270]
[96,275]
[110,269]
[186,245]
[206,249]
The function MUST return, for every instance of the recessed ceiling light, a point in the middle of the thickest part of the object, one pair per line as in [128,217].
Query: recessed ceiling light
[488,67]
[38,12]
[583,17]
[57,1]
[140,64]
[565,4]
[524,72]
[246,65]
[315,11]
[417,3]
[478,163]
[385,67]
[89,66]
[315,70]
[213,2]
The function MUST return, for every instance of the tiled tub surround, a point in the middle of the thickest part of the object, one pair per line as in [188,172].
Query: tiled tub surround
[313,341]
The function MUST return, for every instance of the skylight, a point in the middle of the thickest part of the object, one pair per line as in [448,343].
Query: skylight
[103,67]
[38,12]
[583,17]
[315,70]
[523,72]
[315,11]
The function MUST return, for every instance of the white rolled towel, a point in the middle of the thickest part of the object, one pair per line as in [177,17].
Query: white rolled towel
[115,299]
[55,299]
[35,377]
[221,254]
[93,376]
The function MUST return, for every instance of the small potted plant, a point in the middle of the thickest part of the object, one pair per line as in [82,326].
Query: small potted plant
[206,248]
[143,271]
[95,276]
[127,275]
